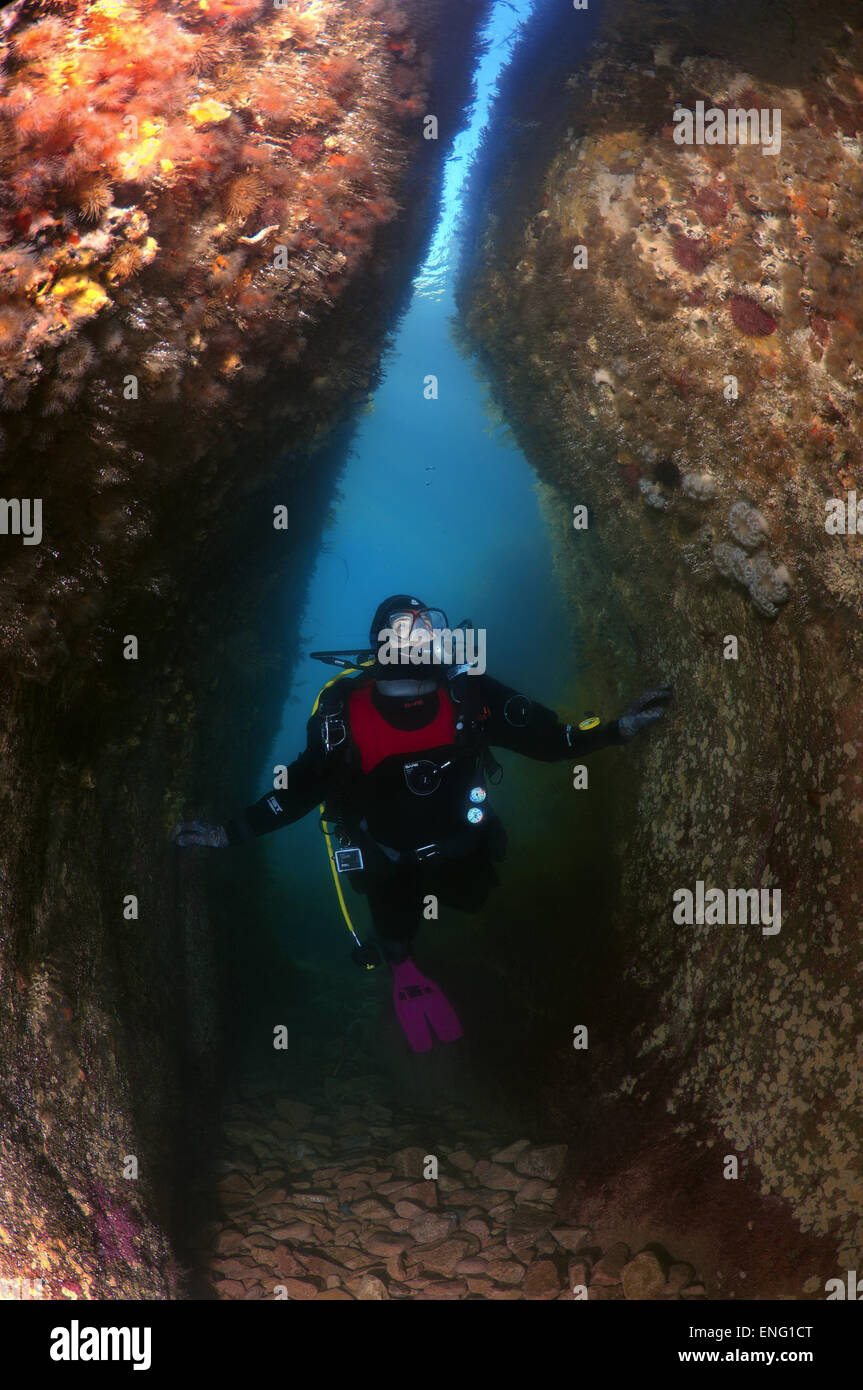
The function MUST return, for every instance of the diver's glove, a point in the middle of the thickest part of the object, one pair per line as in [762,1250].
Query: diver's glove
[367,955]
[194,832]
[643,711]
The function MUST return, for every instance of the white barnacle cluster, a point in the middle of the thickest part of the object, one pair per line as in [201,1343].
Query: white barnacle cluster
[768,584]
[652,494]
[701,487]
[733,563]
[747,525]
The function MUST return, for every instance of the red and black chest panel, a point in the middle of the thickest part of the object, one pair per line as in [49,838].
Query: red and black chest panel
[375,739]
[404,788]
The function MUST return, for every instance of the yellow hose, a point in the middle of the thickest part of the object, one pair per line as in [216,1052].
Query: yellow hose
[330,852]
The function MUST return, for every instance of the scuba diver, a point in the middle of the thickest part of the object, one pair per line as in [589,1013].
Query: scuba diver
[397,757]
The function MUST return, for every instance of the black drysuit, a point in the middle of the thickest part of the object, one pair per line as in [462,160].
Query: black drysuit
[396,776]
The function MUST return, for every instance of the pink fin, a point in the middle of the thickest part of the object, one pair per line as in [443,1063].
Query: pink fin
[419,1002]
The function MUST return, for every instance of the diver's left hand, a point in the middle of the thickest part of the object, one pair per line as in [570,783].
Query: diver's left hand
[194,832]
[645,710]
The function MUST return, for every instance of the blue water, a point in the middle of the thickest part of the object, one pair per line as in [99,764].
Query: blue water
[436,501]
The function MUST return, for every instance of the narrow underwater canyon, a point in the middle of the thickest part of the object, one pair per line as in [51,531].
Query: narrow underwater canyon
[217,294]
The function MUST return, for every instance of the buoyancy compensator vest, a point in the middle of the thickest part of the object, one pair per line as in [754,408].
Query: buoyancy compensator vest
[406,795]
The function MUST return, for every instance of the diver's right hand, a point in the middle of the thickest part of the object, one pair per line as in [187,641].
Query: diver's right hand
[194,832]
[644,711]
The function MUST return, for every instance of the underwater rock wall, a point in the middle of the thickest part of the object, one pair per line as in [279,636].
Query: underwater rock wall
[676,335]
[208,216]
[189,191]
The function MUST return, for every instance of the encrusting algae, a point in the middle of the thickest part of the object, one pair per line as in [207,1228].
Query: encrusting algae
[146,146]
[193,194]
